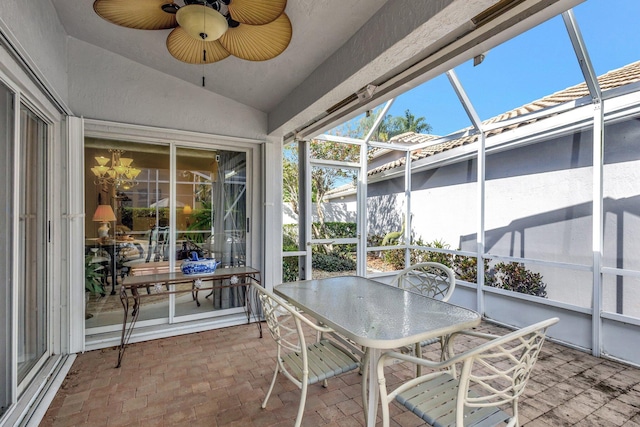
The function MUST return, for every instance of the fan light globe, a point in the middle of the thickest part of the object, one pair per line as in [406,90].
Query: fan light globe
[202,22]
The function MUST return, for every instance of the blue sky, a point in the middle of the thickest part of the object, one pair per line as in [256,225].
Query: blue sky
[530,66]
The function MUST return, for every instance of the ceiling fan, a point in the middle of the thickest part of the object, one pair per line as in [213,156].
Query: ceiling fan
[206,31]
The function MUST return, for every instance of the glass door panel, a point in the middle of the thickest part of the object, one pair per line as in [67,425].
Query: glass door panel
[7,112]
[127,227]
[32,240]
[211,217]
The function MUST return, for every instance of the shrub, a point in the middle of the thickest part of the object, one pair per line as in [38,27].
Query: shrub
[421,255]
[466,268]
[332,262]
[289,244]
[290,236]
[395,258]
[374,240]
[339,229]
[515,277]
[290,269]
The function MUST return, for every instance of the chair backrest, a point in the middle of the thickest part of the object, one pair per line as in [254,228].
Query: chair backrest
[499,370]
[158,239]
[431,279]
[282,320]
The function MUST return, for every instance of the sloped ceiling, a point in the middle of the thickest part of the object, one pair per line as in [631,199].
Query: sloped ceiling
[337,47]
[319,29]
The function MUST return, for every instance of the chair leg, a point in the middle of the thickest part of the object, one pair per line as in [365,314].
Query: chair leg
[364,371]
[273,382]
[303,400]
[418,353]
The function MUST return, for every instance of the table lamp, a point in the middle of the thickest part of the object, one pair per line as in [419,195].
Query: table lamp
[104,214]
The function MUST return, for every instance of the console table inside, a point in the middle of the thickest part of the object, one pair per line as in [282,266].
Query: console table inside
[161,284]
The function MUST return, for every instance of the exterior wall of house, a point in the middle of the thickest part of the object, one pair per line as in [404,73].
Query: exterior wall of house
[34,29]
[109,87]
[333,212]
[538,206]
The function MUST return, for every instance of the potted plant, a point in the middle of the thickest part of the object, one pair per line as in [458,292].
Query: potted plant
[92,281]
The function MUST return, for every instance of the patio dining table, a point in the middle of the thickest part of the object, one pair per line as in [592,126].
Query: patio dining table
[376,316]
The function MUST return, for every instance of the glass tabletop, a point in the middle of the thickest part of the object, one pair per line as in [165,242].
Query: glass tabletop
[374,314]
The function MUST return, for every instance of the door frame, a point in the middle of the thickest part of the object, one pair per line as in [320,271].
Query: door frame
[145,134]
[360,212]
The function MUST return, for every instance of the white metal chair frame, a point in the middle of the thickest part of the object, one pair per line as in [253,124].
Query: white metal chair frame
[431,279]
[301,363]
[493,374]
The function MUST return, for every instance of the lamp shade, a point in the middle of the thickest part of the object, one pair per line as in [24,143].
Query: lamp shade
[187,210]
[104,213]
[202,22]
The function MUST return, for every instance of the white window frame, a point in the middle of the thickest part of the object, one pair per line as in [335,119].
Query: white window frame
[174,138]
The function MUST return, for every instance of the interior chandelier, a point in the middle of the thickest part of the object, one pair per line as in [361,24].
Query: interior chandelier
[206,31]
[119,174]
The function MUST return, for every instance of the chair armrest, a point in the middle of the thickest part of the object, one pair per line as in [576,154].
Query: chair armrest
[416,360]
[317,327]
[499,340]
[477,334]
[448,347]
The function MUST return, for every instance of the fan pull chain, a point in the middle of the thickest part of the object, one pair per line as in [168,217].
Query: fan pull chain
[204,61]
[204,51]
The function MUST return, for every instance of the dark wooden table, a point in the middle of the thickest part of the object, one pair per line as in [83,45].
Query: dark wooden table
[161,284]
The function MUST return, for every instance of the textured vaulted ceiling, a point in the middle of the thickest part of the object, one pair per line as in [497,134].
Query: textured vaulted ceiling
[337,48]
[319,29]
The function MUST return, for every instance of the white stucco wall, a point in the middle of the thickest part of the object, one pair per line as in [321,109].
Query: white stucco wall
[106,86]
[33,27]
[333,212]
[538,205]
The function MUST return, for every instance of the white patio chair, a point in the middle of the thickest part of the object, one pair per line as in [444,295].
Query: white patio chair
[302,363]
[431,279]
[492,377]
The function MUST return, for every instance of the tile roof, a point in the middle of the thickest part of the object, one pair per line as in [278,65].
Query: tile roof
[610,80]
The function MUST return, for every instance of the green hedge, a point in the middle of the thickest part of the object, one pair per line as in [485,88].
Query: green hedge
[512,276]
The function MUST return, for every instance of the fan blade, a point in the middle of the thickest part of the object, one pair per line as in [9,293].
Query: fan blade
[185,48]
[256,12]
[139,14]
[258,42]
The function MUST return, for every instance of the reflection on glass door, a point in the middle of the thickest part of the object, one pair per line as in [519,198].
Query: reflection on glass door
[7,113]
[32,240]
[211,213]
[130,215]
[127,227]
[334,227]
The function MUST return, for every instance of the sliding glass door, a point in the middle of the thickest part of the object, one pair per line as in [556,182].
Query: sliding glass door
[6,244]
[25,323]
[211,207]
[127,194]
[32,236]
[149,206]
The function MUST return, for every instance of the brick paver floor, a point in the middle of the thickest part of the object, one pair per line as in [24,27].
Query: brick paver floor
[219,378]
